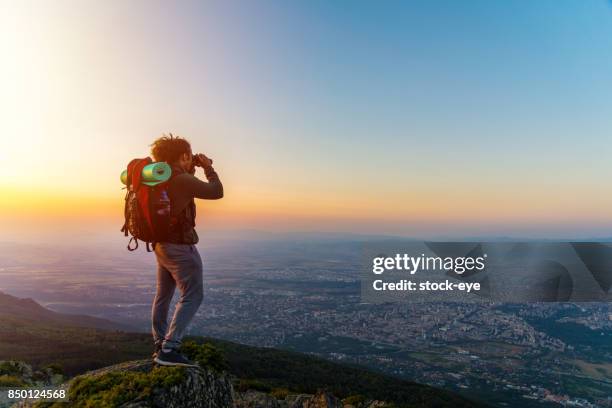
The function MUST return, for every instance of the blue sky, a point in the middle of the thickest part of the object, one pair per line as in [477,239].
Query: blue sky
[411,117]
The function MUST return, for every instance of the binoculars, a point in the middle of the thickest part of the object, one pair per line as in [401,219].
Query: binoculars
[195,162]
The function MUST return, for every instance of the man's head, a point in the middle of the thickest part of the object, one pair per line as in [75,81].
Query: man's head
[173,150]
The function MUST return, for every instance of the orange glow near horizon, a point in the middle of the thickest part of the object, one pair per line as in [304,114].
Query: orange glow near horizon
[284,212]
[85,91]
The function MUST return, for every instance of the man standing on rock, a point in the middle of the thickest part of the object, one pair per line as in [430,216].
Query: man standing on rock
[178,261]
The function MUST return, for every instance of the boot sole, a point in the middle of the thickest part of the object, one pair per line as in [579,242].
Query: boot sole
[170,363]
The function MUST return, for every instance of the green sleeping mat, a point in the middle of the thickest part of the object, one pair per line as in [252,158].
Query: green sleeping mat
[152,174]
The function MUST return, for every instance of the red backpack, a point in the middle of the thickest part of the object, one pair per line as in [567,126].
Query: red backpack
[147,208]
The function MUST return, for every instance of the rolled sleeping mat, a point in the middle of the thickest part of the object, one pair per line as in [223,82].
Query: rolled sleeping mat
[152,174]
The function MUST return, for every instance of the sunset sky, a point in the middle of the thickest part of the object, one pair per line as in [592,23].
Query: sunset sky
[421,118]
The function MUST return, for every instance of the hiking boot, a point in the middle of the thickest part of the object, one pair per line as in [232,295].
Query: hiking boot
[173,358]
[157,349]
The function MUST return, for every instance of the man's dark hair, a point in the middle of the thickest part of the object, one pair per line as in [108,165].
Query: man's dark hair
[169,148]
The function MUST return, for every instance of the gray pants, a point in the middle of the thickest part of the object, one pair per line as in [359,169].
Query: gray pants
[177,265]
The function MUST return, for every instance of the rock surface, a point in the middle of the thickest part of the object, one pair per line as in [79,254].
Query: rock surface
[200,388]
[322,399]
[256,399]
[139,384]
[196,388]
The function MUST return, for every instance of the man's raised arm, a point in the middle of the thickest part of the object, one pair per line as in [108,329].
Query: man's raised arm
[211,190]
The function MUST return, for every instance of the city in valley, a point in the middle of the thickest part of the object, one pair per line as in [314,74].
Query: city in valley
[303,294]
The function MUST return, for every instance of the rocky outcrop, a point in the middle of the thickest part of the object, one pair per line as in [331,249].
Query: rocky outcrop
[322,399]
[256,399]
[17,374]
[22,374]
[139,384]
[193,388]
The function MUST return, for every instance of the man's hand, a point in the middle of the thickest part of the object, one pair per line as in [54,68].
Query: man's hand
[202,161]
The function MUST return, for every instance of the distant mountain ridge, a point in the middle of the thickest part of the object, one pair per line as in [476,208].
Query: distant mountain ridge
[28,309]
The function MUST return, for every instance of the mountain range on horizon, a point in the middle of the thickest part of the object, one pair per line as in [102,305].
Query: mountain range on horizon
[28,309]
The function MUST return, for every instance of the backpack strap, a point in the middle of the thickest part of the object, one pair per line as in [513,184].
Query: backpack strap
[130,242]
[143,198]
[124,229]
[134,172]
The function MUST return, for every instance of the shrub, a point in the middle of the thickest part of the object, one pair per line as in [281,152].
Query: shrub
[55,368]
[279,393]
[354,399]
[245,384]
[10,381]
[10,368]
[115,388]
[206,355]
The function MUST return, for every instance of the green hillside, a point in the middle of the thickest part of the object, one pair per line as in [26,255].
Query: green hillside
[78,349]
